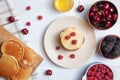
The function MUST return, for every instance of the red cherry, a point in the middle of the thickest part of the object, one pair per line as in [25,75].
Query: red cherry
[25,31]
[99,13]
[108,24]
[49,72]
[28,8]
[96,18]
[57,47]
[28,23]
[72,34]
[109,16]
[111,10]
[115,16]
[60,57]
[11,19]
[40,17]
[107,6]
[91,14]
[106,12]
[67,37]
[94,9]
[74,41]
[72,56]
[80,8]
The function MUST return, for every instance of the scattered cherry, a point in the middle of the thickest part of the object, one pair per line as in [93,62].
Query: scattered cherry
[72,56]
[74,41]
[11,19]
[40,17]
[28,8]
[80,8]
[28,23]
[67,37]
[49,72]
[60,57]
[25,31]
[57,47]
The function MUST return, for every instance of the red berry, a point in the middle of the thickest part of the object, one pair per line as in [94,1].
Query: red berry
[40,17]
[25,31]
[80,8]
[67,37]
[60,57]
[28,8]
[11,19]
[49,72]
[57,47]
[115,16]
[72,34]
[28,23]
[74,41]
[72,56]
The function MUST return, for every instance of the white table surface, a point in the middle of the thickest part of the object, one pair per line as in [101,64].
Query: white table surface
[38,28]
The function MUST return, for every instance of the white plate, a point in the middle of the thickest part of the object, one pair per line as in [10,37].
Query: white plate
[51,40]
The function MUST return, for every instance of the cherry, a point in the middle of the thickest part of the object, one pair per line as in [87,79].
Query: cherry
[74,41]
[96,18]
[108,24]
[73,34]
[72,56]
[106,6]
[11,19]
[49,72]
[80,8]
[91,14]
[57,47]
[109,16]
[60,57]
[111,10]
[28,8]
[40,17]
[28,23]
[25,31]
[94,9]
[67,37]
[115,16]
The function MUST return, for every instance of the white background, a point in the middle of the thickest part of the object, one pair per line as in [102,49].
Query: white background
[37,29]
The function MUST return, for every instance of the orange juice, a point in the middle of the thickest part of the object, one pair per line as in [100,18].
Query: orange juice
[63,5]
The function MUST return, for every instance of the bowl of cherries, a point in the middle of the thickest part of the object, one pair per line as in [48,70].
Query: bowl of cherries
[109,47]
[98,71]
[103,15]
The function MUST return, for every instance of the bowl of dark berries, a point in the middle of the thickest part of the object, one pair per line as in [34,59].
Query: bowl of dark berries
[98,71]
[103,15]
[109,47]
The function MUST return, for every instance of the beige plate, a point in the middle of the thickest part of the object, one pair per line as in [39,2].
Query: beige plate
[51,40]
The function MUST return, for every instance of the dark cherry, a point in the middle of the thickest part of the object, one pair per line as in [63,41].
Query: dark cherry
[108,24]
[115,16]
[48,72]
[28,8]
[94,9]
[109,16]
[91,14]
[107,6]
[25,31]
[11,19]
[111,10]
[80,8]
